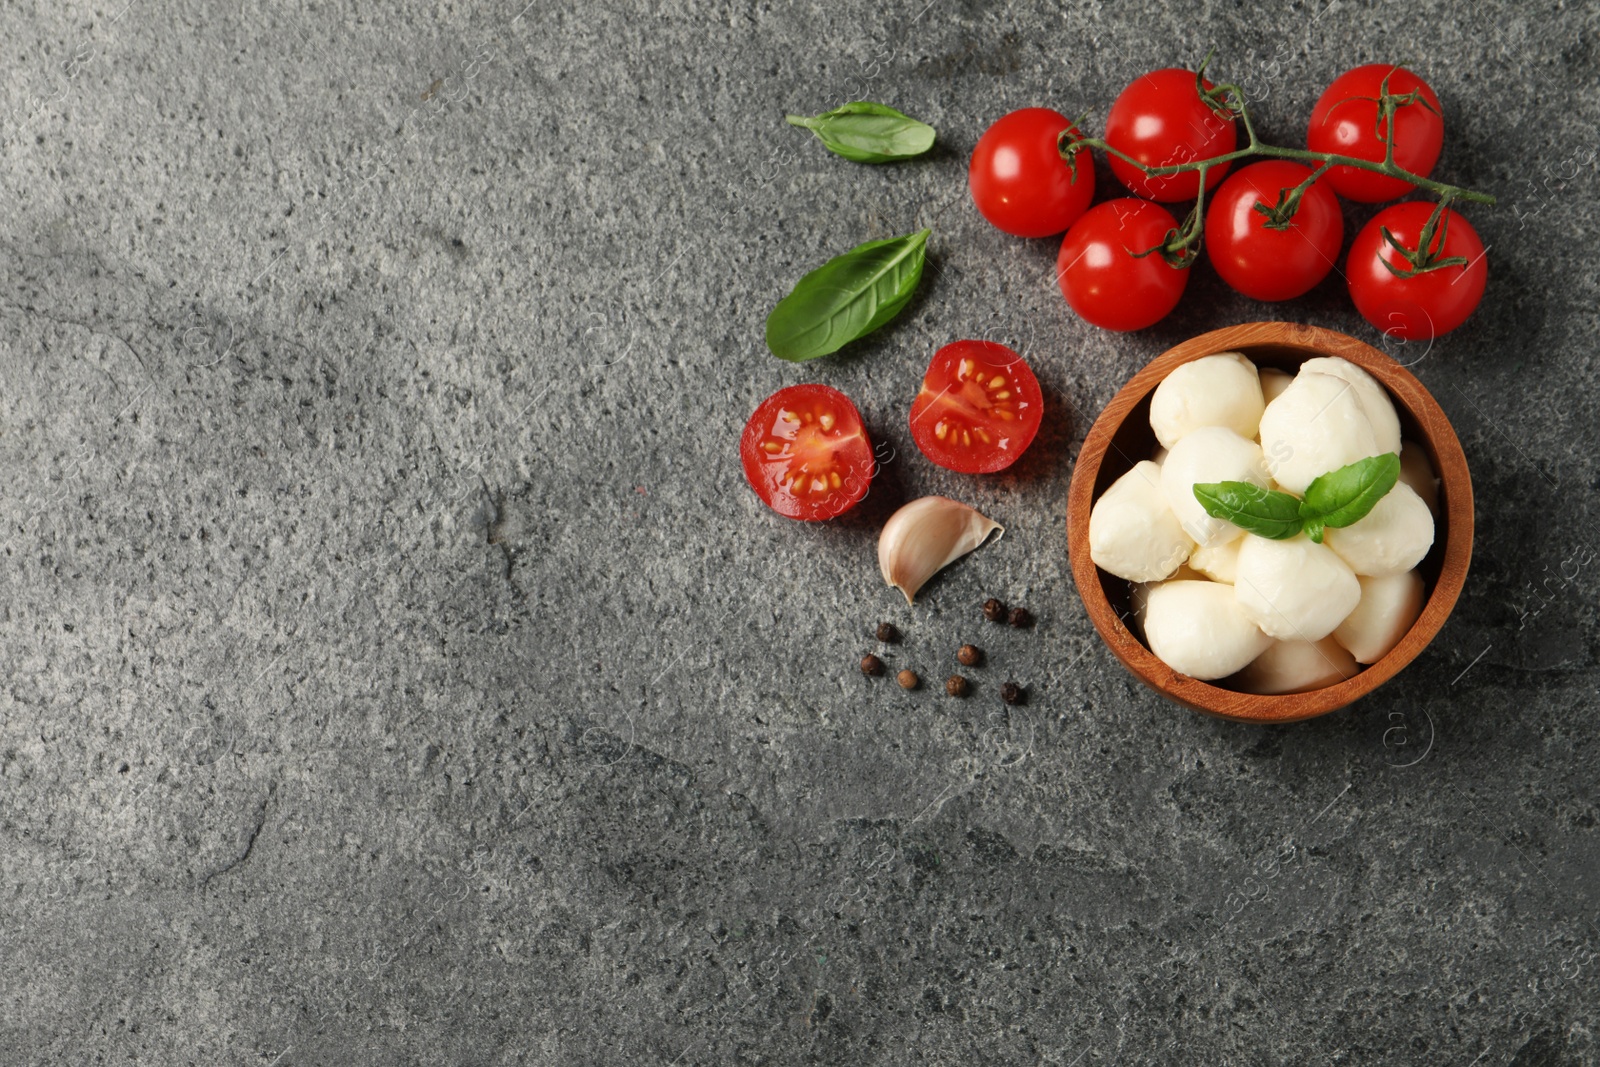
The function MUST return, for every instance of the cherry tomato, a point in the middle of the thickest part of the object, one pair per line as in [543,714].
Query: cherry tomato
[806,453]
[1425,305]
[1258,260]
[979,408]
[1019,180]
[1161,120]
[1345,121]
[1100,275]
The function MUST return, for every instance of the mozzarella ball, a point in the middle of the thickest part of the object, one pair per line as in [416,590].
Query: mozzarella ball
[1374,397]
[1388,607]
[1294,589]
[1417,472]
[1316,425]
[1196,628]
[1132,532]
[1139,593]
[1209,454]
[1391,539]
[1273,383]
[1220,390]
[1297,667]
[1218,562]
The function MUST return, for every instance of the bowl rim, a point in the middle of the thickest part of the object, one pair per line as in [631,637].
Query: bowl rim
[1455,521]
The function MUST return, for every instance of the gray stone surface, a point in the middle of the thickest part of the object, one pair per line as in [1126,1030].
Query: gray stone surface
[398,670]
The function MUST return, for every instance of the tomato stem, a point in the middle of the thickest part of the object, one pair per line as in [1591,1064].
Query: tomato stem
[1426,256]
[1304,155]
[1229,98]
[1281,214]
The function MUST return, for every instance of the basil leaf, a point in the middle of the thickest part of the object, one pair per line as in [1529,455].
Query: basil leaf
[847,297]
[1346,495]
[1263,512]
[868,133]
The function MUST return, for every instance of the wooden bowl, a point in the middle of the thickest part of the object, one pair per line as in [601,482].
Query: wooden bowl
[1121,436]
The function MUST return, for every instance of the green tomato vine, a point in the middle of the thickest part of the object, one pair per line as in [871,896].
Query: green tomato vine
[1227,100]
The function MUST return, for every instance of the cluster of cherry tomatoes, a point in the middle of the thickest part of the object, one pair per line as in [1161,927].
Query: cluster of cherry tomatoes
[1124,263]
[1414,271]
[807,455]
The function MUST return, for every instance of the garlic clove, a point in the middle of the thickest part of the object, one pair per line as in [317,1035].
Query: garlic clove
[927,535]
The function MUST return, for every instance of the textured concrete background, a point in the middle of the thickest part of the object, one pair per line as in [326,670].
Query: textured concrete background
[398,670]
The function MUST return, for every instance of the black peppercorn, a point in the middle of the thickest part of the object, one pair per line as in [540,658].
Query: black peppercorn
[871,665]
[956,686]
[1012,693]
[907,678]
[969,655]
[888,633]
[994,611]
[1021,617]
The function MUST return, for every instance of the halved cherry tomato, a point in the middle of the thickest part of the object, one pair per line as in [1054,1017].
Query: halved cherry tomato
[1345,122]
[979,408]
[1426,304]
[1259,260]
[1018,179]
[1161,120]
[806,453]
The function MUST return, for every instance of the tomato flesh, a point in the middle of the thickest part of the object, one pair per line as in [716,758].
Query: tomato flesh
[1162,121]
[979,408]
[1018,179]
[1267,263]
[1426,305]
[1345,122]
[806,453]
[1103,278]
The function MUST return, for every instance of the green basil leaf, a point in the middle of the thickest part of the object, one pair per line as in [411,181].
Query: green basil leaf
[1263,512]
[847,297]
[1346,495]
[868,133]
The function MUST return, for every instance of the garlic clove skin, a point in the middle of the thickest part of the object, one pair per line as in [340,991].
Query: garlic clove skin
[926,536]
